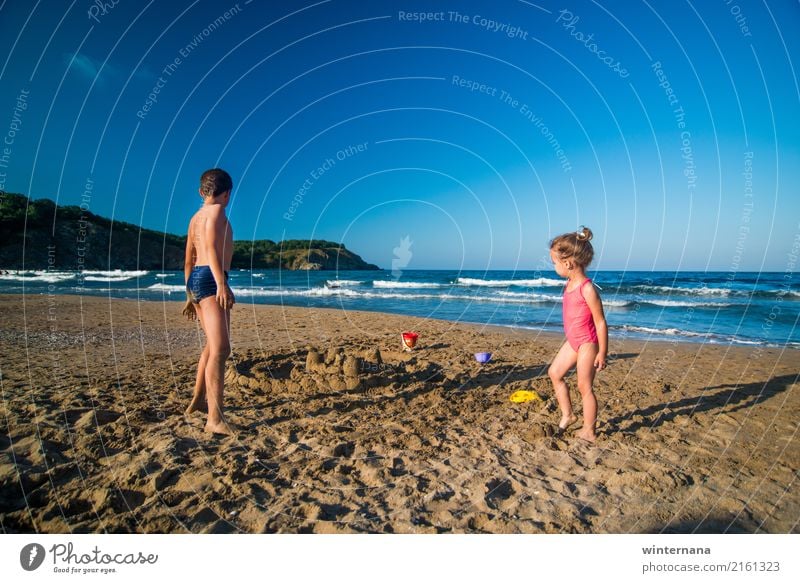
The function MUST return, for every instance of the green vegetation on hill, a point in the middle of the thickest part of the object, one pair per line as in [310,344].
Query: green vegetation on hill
[47,235]
[296,254]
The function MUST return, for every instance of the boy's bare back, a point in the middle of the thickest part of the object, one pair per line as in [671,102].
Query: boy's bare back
[211,224]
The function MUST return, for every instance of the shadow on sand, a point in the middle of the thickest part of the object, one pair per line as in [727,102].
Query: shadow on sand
[721,398]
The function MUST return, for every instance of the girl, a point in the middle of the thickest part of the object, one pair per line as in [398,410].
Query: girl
[585,327]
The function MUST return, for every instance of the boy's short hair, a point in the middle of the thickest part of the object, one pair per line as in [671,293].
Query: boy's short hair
[215,181]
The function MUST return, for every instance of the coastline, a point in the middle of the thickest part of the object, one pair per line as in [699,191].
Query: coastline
[693,437]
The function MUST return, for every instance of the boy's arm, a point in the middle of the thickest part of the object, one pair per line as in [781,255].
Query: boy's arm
[598,315]
[188,260]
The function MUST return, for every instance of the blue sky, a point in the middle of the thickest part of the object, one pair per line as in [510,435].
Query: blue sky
[480,131]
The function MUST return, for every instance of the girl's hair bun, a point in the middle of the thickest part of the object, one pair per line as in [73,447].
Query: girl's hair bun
[575,246]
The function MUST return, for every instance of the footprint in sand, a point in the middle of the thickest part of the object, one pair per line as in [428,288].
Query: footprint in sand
[498,491]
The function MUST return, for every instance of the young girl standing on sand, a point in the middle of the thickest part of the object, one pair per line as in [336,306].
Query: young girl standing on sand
[209,251]
[585,326]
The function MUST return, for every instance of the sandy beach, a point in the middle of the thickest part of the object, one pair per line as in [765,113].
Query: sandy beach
[339,430]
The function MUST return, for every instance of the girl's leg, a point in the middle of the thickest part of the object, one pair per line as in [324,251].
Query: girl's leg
[215,324]
[199,397]
[586,371]
[564,360]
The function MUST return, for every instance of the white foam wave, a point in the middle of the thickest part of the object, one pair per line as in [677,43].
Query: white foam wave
[106,279]
[406,284]
[272,292]
[716,292]
[490,299]
[342,282]
[693,291]
[162,275]
[609,303]
[369,295]
[38,276]
[662,331]
[534,297]
[557,299]
[709,337]
[114,273]
[681,304]
[537,282]
[167,287]
[326,292]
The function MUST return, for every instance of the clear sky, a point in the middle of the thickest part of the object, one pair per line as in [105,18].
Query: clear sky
[477,129]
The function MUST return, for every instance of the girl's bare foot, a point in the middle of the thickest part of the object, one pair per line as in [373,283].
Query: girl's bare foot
[219,428]
[567,421]
[196,405]
[587,435]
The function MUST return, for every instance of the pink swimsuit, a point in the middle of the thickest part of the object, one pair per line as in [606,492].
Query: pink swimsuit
[578,320]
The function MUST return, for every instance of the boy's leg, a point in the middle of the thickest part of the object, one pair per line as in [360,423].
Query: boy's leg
[215,325]
[586,372]
[199,397]
[564,360]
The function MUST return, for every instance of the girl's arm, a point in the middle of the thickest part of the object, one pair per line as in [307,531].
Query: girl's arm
[596,306]
[214,237]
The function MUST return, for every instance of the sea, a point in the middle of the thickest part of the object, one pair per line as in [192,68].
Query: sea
[738,308]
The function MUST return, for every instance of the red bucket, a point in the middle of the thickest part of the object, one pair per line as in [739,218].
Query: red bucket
[409,340]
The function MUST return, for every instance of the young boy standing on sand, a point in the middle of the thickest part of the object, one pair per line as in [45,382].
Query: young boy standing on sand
[209,251]
[585,326]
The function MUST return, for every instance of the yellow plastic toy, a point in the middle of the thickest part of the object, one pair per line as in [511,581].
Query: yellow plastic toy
[524,396]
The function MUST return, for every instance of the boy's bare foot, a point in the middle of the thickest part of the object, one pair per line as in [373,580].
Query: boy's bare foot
[196,405]
[220,428]
[585,435]
[566,422]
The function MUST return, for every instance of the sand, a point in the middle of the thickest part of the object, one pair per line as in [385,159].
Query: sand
[339,430]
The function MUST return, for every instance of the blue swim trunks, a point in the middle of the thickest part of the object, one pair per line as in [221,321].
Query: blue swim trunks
[201,283]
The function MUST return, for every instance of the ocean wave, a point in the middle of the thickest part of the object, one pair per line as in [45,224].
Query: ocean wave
[161,275]
[167,287]
[716,291]
[503,297]
[544,327]
[609,303]
[38,276]
[370,295]
[106,278]
[314,292]
[707,336]
[534,297]
[557,299]
[406,284]
[619,303]
[114,273]
[404,291]
[327,292]
[682,304]
[495,299]
[695,291]
[661,331]
[342,282]
[537,282]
